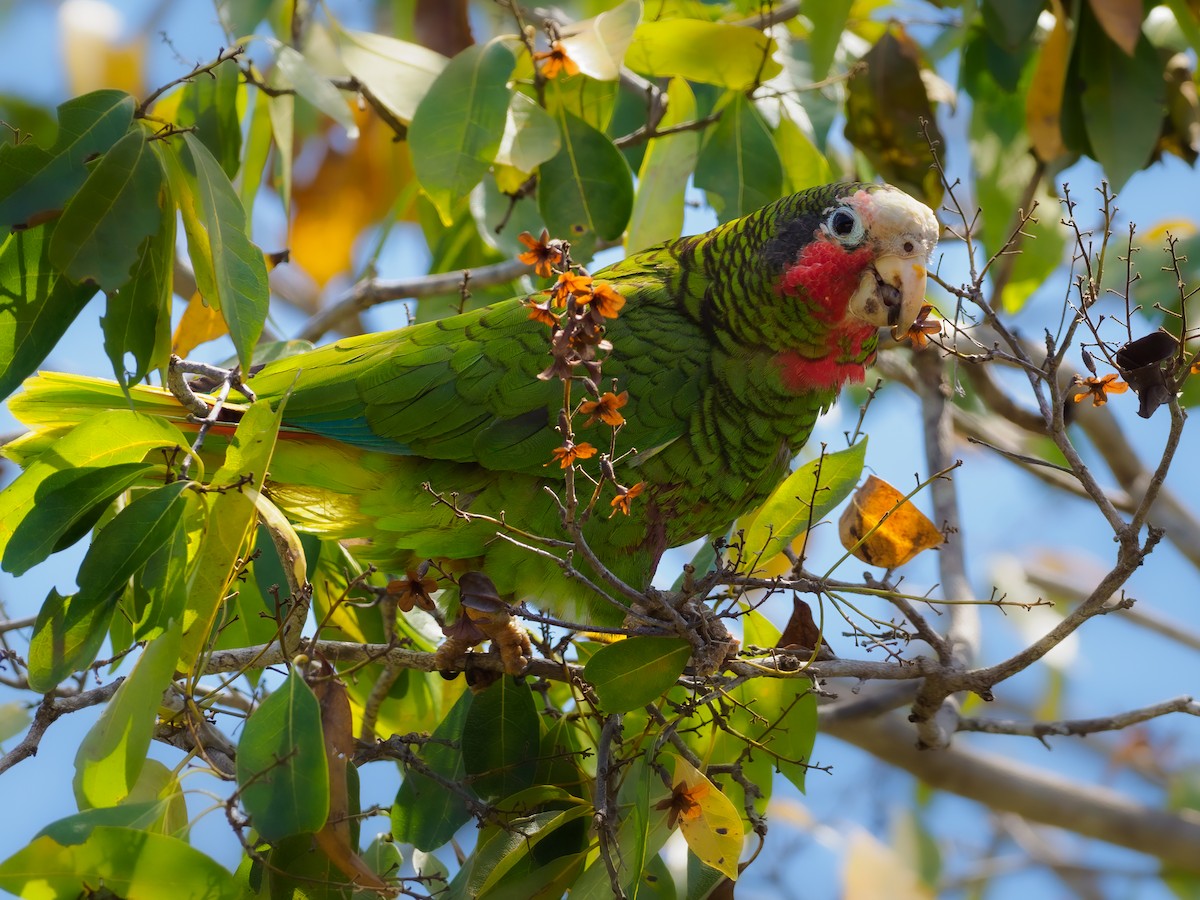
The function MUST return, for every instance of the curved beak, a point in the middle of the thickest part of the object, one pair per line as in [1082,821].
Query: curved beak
[891,292]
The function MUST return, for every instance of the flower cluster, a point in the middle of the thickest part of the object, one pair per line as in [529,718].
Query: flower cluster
[576,308]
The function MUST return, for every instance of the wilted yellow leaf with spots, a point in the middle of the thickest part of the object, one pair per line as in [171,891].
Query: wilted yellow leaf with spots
[708,819]
[883,529]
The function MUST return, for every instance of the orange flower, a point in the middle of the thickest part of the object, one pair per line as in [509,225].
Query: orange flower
[413,590]
[620,503]
[606,301]
[605,409]
[684,803]
[540,312]
[570,283]
[921,330]
[540,254]
[570,451]
[1098,388]
[556,60]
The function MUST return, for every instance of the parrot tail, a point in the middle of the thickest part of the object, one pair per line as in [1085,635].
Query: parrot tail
[52,403]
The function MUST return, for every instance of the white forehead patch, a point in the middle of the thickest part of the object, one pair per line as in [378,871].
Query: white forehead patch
[893,218]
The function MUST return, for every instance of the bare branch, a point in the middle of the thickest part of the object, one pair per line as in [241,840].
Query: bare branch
[1081,727]
[49,712]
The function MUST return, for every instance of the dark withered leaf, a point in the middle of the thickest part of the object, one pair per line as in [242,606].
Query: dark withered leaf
[885,103]
[1146,364]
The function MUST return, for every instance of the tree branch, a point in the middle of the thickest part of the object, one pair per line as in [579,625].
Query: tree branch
[1005,785]
[50,711]
[1081,727]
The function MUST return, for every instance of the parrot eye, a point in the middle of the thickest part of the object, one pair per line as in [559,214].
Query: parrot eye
[845,225]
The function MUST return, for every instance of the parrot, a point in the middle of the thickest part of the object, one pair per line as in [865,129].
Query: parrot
[729,346]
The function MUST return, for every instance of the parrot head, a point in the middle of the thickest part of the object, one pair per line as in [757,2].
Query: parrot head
[853,257]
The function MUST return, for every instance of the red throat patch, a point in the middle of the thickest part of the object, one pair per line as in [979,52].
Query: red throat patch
[828,274]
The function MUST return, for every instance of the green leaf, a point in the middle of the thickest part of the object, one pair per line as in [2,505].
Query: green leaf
[1011,22]
[586,191]
[806,496]
[731,56]
[425,813]
[160,593]
[123,545]
[585,98]
[230,270]
[456,130]
[74,829]
[34,180]
[739,166]
[229,528]
[828,19]
[66,638]
[662,179]
[282,771]
[14,718]
[631,673]
[137,318]
[62,503]
[210,106]
[258,149]
[500,740]
[106,439]
[110,757]
[383,857]
[804,166]
[598,45]
[296,870]
[784,717]
[1123,100]
[530,135]
[126,861]
[1004,166]
[641,833]
[282,112]
[397,73]
[104,224]
[239,18]
[502,867]
[293,71]
[37,304]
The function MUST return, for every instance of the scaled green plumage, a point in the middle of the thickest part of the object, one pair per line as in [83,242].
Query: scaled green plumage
[730,345]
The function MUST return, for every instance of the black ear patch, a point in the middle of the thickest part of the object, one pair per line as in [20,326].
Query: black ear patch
[782,250]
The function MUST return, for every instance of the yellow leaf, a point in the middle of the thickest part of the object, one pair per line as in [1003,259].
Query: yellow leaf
[709,821]
[350,192]
[871,869]
[883,529]
[92,49]
[509,179]
[1043,102]
[200,324]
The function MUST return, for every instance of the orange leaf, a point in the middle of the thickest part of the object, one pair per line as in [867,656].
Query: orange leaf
[200,324]
[350,192]
[883,529]
[1043,103]
[94,56]
[337,727]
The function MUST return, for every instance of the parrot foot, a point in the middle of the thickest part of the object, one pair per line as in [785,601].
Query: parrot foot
[485,616]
